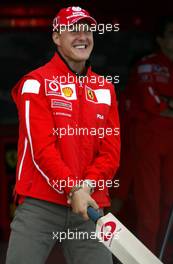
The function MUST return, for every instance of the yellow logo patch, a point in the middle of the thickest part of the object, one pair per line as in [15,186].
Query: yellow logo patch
[67,91]
[90,94]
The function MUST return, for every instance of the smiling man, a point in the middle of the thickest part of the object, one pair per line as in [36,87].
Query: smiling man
[58,177]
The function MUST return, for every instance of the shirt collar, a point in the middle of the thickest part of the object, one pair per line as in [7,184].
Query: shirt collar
[60,62]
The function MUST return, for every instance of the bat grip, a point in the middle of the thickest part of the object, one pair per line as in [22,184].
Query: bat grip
[93,214]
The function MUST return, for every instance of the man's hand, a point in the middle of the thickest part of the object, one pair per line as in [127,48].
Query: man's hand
[80,201]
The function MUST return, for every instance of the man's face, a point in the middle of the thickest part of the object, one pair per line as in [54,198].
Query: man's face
[166,42]
[76,42]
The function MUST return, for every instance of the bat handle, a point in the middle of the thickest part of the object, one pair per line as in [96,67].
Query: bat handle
[93,214]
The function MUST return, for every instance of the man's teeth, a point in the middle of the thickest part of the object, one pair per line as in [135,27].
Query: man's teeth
[80,46]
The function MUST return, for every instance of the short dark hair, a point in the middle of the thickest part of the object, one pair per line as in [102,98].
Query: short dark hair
[162,24]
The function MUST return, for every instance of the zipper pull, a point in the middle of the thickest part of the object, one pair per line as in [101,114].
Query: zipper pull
[80,87]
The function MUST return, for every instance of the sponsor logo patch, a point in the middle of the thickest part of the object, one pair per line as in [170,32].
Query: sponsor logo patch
[158,69]
[90,94]
[99,116]
[105,234]
[76,8]
[98,96]
[67,91]
[145,68]
[52,87]
[55,103]
[146,77]
[61,114]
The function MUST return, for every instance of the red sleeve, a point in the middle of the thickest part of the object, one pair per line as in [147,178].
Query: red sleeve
[37,124]
[106,162]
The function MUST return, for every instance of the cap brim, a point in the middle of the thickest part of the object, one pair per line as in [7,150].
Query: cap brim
[89,19]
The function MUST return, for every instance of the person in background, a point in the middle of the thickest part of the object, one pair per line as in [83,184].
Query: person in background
[150,110]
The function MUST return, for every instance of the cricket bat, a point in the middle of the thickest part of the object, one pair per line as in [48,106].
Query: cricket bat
[120,241]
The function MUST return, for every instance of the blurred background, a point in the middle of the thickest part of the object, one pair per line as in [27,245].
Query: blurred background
[25,44]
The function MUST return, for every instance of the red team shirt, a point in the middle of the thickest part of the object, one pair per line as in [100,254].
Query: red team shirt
[151,79]
[45,105]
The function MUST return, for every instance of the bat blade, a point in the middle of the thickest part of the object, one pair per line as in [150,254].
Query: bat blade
[122,243]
